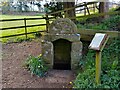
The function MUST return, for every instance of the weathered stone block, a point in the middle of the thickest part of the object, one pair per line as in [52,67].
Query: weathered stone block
[76,53]
[47,52]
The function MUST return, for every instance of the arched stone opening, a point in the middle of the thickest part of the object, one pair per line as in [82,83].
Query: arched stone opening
[62,54]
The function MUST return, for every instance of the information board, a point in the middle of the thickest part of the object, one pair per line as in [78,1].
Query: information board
[98,41]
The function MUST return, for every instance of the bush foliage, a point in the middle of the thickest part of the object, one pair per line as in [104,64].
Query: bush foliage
[111,23]
[110,73]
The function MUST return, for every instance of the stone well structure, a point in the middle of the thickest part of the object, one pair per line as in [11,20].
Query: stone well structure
[61,47]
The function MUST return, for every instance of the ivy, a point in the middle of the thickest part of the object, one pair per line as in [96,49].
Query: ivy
[110,73]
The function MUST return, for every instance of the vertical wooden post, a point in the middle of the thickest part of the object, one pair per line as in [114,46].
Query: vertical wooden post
[84,11]
[25,27]
[47,22]
[65,14]
[87,9]
[94,7]
[98,66]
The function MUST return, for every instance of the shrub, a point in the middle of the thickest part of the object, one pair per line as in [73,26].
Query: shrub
[111,23]
[87,79]
[36,65]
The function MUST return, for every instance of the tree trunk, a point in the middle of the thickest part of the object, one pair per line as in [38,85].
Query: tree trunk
[70,13]
[103,8]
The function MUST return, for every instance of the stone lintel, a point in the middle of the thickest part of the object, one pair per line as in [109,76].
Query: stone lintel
[69,37]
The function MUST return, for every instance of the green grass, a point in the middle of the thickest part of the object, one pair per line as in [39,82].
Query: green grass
[17,16]
[19,23]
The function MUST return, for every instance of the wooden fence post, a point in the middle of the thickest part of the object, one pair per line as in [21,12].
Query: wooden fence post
[86,7]
[47,22]
[84,11]
[25,27]
[66,14]
[94,7]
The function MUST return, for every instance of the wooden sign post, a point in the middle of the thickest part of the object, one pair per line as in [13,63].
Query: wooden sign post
[98,44]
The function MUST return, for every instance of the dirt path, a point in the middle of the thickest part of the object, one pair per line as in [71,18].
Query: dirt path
[15,76]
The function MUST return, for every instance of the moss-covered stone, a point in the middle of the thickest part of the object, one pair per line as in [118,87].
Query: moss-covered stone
[62,26]
[62,36]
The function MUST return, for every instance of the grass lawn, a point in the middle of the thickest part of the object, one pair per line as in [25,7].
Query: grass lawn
[19,23]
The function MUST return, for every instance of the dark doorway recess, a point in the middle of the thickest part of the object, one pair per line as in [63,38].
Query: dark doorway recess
[62,54]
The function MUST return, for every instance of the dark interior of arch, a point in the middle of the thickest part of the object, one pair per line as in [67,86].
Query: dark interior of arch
[62,54]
